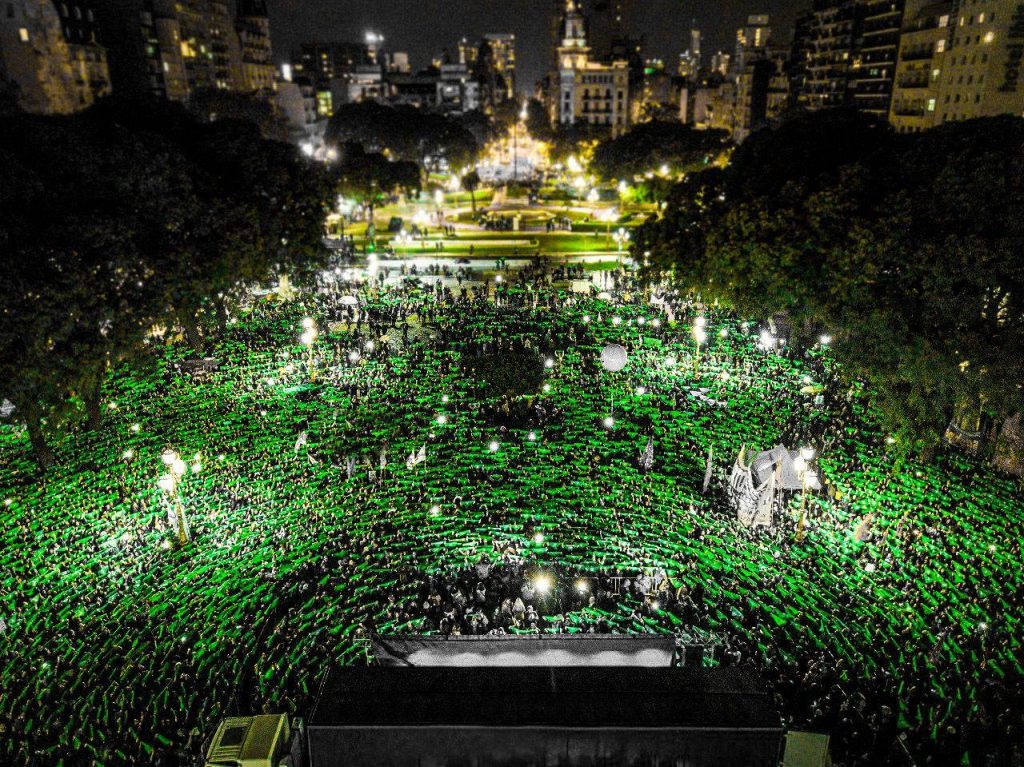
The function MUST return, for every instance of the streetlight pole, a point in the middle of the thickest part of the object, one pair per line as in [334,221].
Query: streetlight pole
[699,336]
[169,484]
[806,476]
[307,339]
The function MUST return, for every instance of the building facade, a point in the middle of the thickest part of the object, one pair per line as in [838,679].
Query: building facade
[170,49]
[253,28]
[983,71]
[922,53]
[845,52]
[588,92]
[50,55]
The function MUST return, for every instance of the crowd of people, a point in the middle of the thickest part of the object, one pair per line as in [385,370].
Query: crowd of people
[366,482]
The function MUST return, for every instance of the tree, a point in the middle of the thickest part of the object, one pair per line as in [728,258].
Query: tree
[471,182]
[904,249]
[538,121]
[648,146]
[371,178]
[405,133]
[117,221]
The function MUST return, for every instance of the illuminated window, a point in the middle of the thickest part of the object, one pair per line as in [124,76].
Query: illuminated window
[23,34]
[989,37]
[944,21]
[931,105]
[940,46]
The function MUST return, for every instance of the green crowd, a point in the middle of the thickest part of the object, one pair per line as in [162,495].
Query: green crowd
[344,461]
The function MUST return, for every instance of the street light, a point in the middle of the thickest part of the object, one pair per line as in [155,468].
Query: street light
[308,339]
[515,143]
[700,335]
[621,237]
[168,483]
[808,477]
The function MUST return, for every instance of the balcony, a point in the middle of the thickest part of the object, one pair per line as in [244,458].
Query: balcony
[916,54]
[913,81]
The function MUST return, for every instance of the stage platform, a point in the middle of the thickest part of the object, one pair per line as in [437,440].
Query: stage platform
[600,716]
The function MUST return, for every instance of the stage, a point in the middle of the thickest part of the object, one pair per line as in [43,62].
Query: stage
[613,716]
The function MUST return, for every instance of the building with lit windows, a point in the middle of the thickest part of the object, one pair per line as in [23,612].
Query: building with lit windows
[500,49]
[51,55]
[587,91]
[171,49]
[253,28]
[845,52]
[752,40]
[983,70]
[919,67]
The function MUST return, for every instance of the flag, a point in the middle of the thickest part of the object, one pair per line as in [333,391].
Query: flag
[647,457]
[707,471]
[350,466]
[3,626]
[300,441]
[416,458]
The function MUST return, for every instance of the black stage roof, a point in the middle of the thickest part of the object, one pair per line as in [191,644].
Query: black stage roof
[601,697]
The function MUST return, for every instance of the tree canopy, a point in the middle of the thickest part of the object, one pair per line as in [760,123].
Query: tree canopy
[904,249]
[405,133]
[119,221]
[648,146]
[371,178]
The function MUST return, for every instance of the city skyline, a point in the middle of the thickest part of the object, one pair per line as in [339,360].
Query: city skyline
[664,23]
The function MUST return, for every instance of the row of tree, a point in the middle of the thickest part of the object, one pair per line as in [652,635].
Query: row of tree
[404,133]
[123,220]
[905,249]
[648,146]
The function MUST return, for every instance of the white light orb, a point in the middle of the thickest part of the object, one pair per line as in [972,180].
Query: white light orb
[614,358]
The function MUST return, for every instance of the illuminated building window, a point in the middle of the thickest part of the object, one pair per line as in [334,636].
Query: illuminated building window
[23,34]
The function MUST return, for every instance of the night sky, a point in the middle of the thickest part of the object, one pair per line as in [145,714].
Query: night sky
[426,27]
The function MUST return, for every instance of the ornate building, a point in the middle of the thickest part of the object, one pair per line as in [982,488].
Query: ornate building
[586,91]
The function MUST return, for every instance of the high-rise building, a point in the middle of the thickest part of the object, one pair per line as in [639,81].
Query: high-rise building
[324,62]
[501,50]
[173,48]
[468,52]
[983,70]
[845,53]
[51,53]
[751,40]
[923,42]
[253,28]
[720,63]
[689,60]
[873,59]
